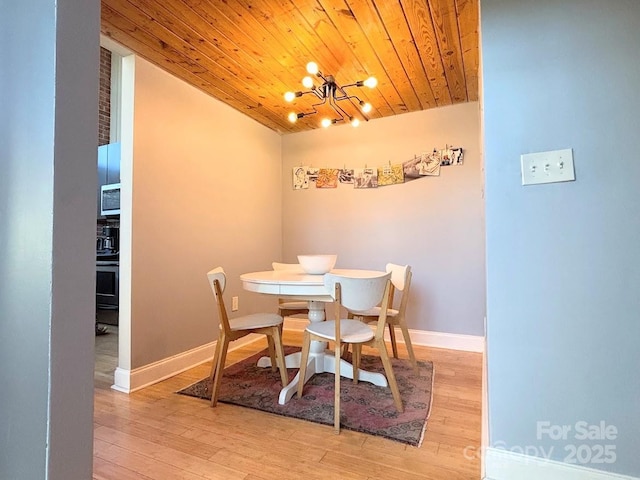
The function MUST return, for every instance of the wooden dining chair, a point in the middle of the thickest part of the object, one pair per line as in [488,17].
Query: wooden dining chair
[400,281]
[287,308]
[269,324]
[360,294]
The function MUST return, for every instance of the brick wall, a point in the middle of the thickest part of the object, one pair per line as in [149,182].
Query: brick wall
[104,99]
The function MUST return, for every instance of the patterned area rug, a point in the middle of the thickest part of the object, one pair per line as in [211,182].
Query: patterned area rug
[364,407]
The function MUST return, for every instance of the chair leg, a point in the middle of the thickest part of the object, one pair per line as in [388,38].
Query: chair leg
[272,353]
[357,355]
[277,340]
[304,358]
[220,358]
[391,378]
[336,401]
[392,337]
[407,342]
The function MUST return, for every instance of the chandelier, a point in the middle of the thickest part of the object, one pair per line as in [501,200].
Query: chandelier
[330,93]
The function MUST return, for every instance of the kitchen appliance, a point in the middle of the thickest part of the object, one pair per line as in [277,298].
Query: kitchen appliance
[108,268]
[110,199]
[110,238]
[107,284]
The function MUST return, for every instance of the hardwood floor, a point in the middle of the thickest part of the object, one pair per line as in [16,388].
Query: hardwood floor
[156,434]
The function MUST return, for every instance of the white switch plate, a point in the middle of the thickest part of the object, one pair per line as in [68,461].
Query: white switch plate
[547,167]
[234,304]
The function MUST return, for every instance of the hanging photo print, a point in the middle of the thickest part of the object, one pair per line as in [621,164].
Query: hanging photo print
[312,173]
[450,156]
[345,175]
[429,164]
[365,178]
[410,170]
[456,157]
[327,178]
[300,178]
[390,175]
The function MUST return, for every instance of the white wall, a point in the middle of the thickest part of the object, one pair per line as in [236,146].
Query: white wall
[563,270]
[434,224]
[48,138]
[206,192]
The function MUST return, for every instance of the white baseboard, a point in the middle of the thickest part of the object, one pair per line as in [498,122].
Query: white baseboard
[128,381]
[504,465]
[452,341]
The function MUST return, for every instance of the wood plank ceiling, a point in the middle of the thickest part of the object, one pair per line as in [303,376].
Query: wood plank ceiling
[248,53]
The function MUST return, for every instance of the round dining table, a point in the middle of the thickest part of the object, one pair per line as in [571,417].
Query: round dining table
[295,285]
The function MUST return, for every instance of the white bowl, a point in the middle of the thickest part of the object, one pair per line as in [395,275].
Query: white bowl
[317,264]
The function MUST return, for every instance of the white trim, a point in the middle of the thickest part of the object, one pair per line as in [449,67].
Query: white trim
[128,381]
[451,341]
[484,426]
[504,465]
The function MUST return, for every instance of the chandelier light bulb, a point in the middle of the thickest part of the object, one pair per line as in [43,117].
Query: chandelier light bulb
[307,82]
[355,121]
[312,68]
[371,82]
[289,96]
[293,117]
[366,107]
[325,122]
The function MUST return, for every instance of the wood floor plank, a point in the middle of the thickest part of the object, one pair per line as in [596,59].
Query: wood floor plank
[156,434]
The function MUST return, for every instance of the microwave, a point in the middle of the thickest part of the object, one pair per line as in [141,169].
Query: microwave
[110,199]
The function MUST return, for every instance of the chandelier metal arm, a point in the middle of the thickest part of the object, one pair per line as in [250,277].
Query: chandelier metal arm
[329,92]
[339,109]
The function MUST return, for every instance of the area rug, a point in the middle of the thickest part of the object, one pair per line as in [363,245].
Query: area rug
[364,407]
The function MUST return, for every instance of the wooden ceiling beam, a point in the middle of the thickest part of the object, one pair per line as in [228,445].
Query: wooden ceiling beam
[399,36]
[469,25]
[419,20]
[126,32]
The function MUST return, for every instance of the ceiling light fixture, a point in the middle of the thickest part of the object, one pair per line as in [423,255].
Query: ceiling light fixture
[330,93]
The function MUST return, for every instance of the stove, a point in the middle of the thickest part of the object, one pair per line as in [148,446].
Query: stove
[107,255]
[107,279]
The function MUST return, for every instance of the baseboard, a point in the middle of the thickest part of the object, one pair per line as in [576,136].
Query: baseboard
[451,341]
[504,465]
[128,381]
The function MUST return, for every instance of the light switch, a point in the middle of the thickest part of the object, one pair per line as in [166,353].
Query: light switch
[547,167]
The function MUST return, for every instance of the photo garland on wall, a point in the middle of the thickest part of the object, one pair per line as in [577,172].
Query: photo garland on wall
[427,164]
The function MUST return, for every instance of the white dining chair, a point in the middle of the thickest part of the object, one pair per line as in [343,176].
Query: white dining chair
[360,294]
[400,281]
[288,308]
[269,324]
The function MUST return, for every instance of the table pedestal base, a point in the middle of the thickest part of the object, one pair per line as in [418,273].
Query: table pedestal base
[320,362]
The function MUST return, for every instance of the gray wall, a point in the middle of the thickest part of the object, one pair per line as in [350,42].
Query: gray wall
[206,193]
[563,270]
[434,224]
[48,93]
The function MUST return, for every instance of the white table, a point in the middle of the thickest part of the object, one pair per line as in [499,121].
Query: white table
[294,285]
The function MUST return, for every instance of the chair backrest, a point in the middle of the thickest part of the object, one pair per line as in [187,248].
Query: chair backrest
[399,274]
[400,280]
[287,266]
[360,293]
[217,282]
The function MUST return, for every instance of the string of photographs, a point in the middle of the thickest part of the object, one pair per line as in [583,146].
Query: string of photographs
[423,165]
